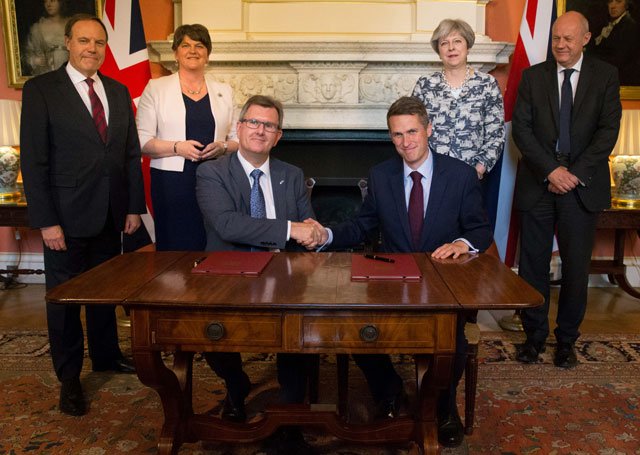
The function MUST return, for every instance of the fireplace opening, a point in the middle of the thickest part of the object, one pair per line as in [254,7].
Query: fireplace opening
[336,164]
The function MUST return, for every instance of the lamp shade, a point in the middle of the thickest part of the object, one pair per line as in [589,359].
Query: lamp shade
[10,122]
[629,135]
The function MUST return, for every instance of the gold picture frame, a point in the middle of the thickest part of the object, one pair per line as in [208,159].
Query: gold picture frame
[592,10]
[20,20]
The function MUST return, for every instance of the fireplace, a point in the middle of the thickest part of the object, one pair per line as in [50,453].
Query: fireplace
[336,164]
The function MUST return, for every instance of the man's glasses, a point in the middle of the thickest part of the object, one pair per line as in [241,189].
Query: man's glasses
[255,124]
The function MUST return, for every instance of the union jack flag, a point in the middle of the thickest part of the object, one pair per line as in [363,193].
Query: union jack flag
[532,47]
[127,61]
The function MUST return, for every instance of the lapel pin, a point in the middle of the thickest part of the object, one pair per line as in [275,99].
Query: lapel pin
[281,182]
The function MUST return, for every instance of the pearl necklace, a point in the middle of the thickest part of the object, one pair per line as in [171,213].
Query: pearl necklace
[467,75]
[192,92]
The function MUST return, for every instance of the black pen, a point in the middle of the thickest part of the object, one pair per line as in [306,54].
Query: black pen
[378,258]
[198,261]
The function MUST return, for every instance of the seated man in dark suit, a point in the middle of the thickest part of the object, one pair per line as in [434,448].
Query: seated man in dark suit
[250,202]
[442,212]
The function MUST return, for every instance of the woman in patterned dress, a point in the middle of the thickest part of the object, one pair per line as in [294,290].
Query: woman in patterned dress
[464,105]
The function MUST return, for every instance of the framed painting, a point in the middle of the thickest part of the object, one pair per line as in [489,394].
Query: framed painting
[34,34]
[615,34]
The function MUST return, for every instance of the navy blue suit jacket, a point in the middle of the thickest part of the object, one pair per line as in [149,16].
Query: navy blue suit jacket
[595,121]
[454,209]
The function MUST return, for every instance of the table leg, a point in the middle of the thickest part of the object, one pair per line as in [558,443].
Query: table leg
[433,373]
[618,260]
[175,390]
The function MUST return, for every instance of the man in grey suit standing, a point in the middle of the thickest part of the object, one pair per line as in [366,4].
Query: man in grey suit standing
[250,201]
[83,182]
[565,123]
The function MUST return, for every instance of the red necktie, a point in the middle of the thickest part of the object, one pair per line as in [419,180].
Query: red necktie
[416,209]
[97,111]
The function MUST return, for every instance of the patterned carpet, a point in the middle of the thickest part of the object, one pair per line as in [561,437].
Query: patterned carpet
[521,409]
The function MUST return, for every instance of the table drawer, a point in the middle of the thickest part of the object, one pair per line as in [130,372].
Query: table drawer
[400,331]
[232,329]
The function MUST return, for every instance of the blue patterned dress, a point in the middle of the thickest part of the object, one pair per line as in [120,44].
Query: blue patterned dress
[469,127]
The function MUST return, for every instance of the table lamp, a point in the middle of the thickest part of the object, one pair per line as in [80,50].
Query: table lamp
[9,155]
[625,163]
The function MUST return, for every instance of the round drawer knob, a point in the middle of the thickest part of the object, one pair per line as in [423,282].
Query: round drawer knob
[215,331]
[369,333]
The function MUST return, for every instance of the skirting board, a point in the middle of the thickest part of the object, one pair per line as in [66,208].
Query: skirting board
[35,261]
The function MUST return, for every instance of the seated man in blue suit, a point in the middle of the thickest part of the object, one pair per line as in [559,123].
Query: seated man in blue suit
[250,202]
[442,213]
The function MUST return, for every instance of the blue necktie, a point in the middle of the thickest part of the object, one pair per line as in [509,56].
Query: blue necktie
[258,209]
[566,105]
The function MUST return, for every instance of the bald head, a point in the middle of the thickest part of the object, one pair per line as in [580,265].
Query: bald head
[573,18]
[570,33]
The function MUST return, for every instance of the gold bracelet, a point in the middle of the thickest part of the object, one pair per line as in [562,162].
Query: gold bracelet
[175,147]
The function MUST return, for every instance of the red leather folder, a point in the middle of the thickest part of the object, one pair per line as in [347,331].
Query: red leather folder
[234,263]
[403,268]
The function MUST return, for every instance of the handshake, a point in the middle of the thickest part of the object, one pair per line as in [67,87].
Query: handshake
[309,233]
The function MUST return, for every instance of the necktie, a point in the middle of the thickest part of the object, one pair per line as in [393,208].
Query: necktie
[258,209]
[97,111]
[416,209]
[566,105]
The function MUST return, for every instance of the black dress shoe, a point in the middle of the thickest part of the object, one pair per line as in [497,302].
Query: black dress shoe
[233,412]
[565,356]
[450,430]
[529,352]
[72,398]
[233,408]
[287,441]
[390,408]
[119,365]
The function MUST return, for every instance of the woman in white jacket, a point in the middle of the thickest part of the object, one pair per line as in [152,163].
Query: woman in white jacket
[184,119]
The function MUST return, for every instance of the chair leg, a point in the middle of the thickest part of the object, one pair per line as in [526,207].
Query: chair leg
[470,385]
[342,364]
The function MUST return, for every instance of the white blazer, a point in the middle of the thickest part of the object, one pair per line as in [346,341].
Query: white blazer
[161,115]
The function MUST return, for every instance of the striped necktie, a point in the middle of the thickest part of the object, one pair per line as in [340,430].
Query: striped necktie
[97,111]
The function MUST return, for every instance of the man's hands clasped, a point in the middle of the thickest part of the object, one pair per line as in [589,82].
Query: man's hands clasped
[561,181]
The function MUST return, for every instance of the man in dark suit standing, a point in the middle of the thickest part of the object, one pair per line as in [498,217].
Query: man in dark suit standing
[565,123]
[420,201]
[83,183]
[251,201]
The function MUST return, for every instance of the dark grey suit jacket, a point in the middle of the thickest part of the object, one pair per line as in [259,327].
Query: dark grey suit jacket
[594,130]
[71,178]
[223,192]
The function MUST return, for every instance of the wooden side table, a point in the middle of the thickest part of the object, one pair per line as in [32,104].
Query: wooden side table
[13,212]
[621,220]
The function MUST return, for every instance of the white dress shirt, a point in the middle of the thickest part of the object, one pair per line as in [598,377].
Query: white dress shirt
[78,80]
[265,185]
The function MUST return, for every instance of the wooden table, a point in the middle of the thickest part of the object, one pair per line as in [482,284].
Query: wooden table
[303,303]
[622,221]
[13,213]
